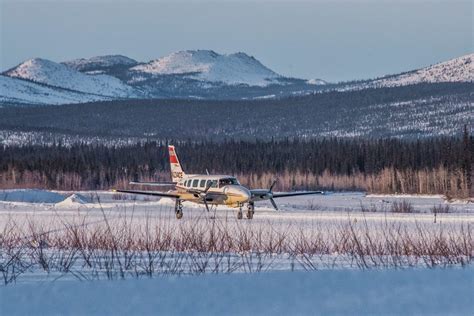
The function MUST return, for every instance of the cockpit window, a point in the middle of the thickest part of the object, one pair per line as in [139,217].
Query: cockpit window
[228,181]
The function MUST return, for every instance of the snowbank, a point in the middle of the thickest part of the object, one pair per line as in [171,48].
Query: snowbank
[347,292]
[73,200]
[30,196]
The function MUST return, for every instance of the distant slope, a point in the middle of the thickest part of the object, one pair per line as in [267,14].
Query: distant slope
[422,110]
[206,65]
[59,75]
[455,70]
[16,91]
[459,69]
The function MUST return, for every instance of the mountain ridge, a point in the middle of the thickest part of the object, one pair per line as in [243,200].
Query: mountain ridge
[190,74]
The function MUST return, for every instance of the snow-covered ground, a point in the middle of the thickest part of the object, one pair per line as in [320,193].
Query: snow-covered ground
[13,90]
[331,208]
[335,292]
[187,280]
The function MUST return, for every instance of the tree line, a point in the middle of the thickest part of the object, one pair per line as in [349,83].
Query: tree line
[435,165]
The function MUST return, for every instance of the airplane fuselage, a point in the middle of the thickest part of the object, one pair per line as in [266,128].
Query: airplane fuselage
[223,190]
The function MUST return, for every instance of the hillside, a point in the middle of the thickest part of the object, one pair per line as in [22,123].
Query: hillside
[59,75]
[459,69]
[15,91]
[413,111]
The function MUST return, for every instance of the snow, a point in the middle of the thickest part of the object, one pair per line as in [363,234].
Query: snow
[455,70]
[59,75]
[14,90]
[328,292]
[30,196]
[74,200]
[205,65]
[100,62]
[316,82]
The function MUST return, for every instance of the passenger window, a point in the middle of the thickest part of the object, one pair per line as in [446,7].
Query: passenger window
[186,183]
[195,183]
[208,183]
[202,184]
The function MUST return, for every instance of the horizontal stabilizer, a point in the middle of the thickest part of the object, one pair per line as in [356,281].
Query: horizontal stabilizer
[154,184]
[152,193]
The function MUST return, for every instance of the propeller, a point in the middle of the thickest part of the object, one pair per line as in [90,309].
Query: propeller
[204,197]
[270,191]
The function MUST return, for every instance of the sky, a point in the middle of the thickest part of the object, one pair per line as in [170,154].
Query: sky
[332,40]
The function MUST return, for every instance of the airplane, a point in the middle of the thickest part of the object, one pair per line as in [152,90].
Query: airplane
[210,190]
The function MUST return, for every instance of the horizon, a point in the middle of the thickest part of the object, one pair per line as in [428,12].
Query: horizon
[361,39]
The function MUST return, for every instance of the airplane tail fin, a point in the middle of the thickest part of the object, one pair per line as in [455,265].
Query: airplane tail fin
[176,170]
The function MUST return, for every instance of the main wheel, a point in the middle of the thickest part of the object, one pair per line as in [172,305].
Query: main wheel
[239,214]
[250,210]
[179,214]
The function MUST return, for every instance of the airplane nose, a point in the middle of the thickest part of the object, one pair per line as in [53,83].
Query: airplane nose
[241,194]
[245,194]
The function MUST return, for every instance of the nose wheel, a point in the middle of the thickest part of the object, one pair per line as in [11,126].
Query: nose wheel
[239,213]
[178,209]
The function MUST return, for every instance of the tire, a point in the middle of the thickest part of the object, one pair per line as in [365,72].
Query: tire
[179,214]
[250,214]
[239,215]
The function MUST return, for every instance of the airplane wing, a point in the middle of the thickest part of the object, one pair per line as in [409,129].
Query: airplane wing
[262,195]
[154,184]
[153,193]
[278,195]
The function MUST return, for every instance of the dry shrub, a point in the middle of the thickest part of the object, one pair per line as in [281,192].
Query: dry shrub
[120,247]
[402,207]
[436,209]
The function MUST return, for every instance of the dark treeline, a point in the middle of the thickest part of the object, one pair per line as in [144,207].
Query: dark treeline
[439,165]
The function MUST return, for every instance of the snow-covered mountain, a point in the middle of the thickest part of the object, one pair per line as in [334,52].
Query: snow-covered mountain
[59,75]
[316,82]
[191,74]
[17,91]
[98,64]
[209,66]
[459,69]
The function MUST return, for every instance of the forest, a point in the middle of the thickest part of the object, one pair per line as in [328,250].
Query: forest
[422,110]
[441,165]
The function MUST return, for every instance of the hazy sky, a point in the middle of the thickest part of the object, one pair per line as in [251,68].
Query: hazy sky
[332,40]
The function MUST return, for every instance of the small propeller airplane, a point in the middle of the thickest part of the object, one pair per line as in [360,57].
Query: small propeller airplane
[210,190]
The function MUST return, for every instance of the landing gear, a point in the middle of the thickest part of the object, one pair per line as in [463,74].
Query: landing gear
[240,214]
[178,209]
[250,210]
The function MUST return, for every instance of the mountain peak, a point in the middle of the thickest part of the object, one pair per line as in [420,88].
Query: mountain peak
[100,62]
[207,65]
[59,75]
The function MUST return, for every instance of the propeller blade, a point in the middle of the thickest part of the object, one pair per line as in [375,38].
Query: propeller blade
[273,184]
[208,186]
[205,203]
[274,204]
